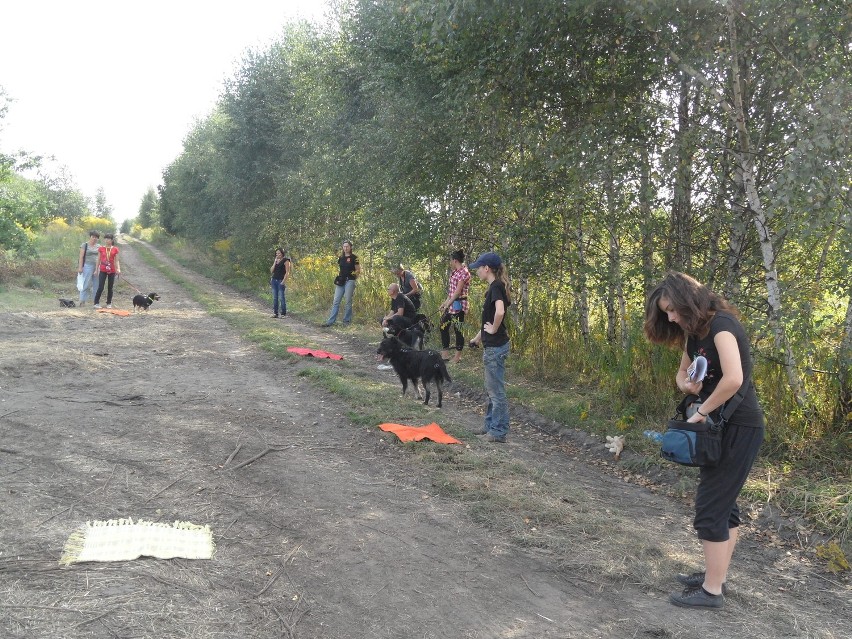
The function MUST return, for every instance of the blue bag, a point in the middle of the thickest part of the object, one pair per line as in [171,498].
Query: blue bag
[692,444]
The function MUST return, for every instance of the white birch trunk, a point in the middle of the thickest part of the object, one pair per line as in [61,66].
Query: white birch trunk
[767,249]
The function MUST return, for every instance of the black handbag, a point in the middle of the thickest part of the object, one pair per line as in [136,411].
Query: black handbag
[700,443]
[692,444]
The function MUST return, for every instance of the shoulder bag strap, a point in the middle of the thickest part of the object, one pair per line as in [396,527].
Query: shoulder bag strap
[732,404]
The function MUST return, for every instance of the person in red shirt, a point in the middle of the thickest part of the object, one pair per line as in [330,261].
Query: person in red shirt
[108,268]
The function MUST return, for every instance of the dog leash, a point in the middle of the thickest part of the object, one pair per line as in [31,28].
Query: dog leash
[130,284]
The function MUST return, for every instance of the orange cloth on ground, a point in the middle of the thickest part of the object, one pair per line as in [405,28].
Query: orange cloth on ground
[416,433]
[313,352]
[114,311]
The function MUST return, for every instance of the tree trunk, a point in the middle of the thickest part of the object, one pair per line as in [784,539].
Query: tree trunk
[581,284]
[746,169]
[679,255]
[844,368]
[646,223]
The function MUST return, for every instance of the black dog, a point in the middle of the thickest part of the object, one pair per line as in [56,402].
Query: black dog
[63,303]
[412,336]
[144,301]
[415,335]
[414,365]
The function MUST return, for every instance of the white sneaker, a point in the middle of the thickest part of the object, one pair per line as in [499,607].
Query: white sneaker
[97,306]
[109,305]
[385,367]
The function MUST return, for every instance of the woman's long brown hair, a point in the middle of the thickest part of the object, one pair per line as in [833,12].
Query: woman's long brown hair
[695,304]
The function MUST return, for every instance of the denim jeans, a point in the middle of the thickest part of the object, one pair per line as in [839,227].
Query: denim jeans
[88,292]
[278,289]
[342,293]
[497,415]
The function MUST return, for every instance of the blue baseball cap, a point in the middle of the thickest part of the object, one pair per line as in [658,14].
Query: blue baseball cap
[491,260]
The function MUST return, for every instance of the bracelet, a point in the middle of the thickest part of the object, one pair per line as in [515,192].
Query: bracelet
[698,410]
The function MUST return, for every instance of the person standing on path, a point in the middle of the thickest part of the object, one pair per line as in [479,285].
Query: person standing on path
[108,268]
[455,306]
[344,284]
[683,313]
[87,264]
[280,271]
[495,341]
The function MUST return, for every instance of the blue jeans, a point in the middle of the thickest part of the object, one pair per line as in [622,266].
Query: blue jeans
[497,415]
[278,288]
[88,292]
[342,293]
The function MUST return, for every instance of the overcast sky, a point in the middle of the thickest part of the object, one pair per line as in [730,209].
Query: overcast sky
[111,88]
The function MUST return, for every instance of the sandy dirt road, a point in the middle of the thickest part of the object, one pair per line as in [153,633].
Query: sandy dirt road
[333,534]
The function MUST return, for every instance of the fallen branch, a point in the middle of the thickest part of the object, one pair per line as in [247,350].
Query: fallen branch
[271,580]
[232,455]
[109,478]
[528,587]
[160,492]
[83,623]
[71,507]
[268,450]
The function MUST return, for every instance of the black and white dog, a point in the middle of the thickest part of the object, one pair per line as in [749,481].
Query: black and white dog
[413,365]
[144,301]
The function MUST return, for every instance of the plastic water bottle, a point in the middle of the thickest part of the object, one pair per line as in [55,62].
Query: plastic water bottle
[654,435]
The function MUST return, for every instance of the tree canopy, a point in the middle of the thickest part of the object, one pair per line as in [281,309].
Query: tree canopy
[593,143]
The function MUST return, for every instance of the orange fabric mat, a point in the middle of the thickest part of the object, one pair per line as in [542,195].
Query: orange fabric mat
[416,433]
[313,352]
[114,311]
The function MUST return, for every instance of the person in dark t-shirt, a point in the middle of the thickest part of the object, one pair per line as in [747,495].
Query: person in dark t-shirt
[683,313]
[402,313]
[495,341]
[344,284]
[280,271]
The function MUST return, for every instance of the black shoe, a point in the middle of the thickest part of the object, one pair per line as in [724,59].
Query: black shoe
[480,431]
[495,439]
[696,580]
[327,324]
[697,598]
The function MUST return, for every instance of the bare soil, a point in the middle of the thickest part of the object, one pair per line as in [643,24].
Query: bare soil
[336,533]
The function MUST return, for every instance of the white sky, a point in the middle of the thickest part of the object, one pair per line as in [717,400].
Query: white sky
[111,88]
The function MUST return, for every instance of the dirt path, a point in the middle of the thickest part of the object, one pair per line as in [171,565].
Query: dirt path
[334,534]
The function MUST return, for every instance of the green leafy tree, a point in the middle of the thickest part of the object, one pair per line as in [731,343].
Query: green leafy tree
[147,215]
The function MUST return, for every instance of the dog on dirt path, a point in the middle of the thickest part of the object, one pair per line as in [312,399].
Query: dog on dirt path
[416,334]
[413,365]
[142,302]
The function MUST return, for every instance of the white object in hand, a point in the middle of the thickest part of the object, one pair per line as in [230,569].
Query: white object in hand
[697,370]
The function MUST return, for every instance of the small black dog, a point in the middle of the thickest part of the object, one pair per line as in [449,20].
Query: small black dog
[63,303]
[144,301]
[415,366]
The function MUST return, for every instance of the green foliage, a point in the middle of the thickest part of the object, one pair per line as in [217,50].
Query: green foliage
[584,141]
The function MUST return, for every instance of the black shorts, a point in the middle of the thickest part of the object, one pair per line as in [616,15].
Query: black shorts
[716,510]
